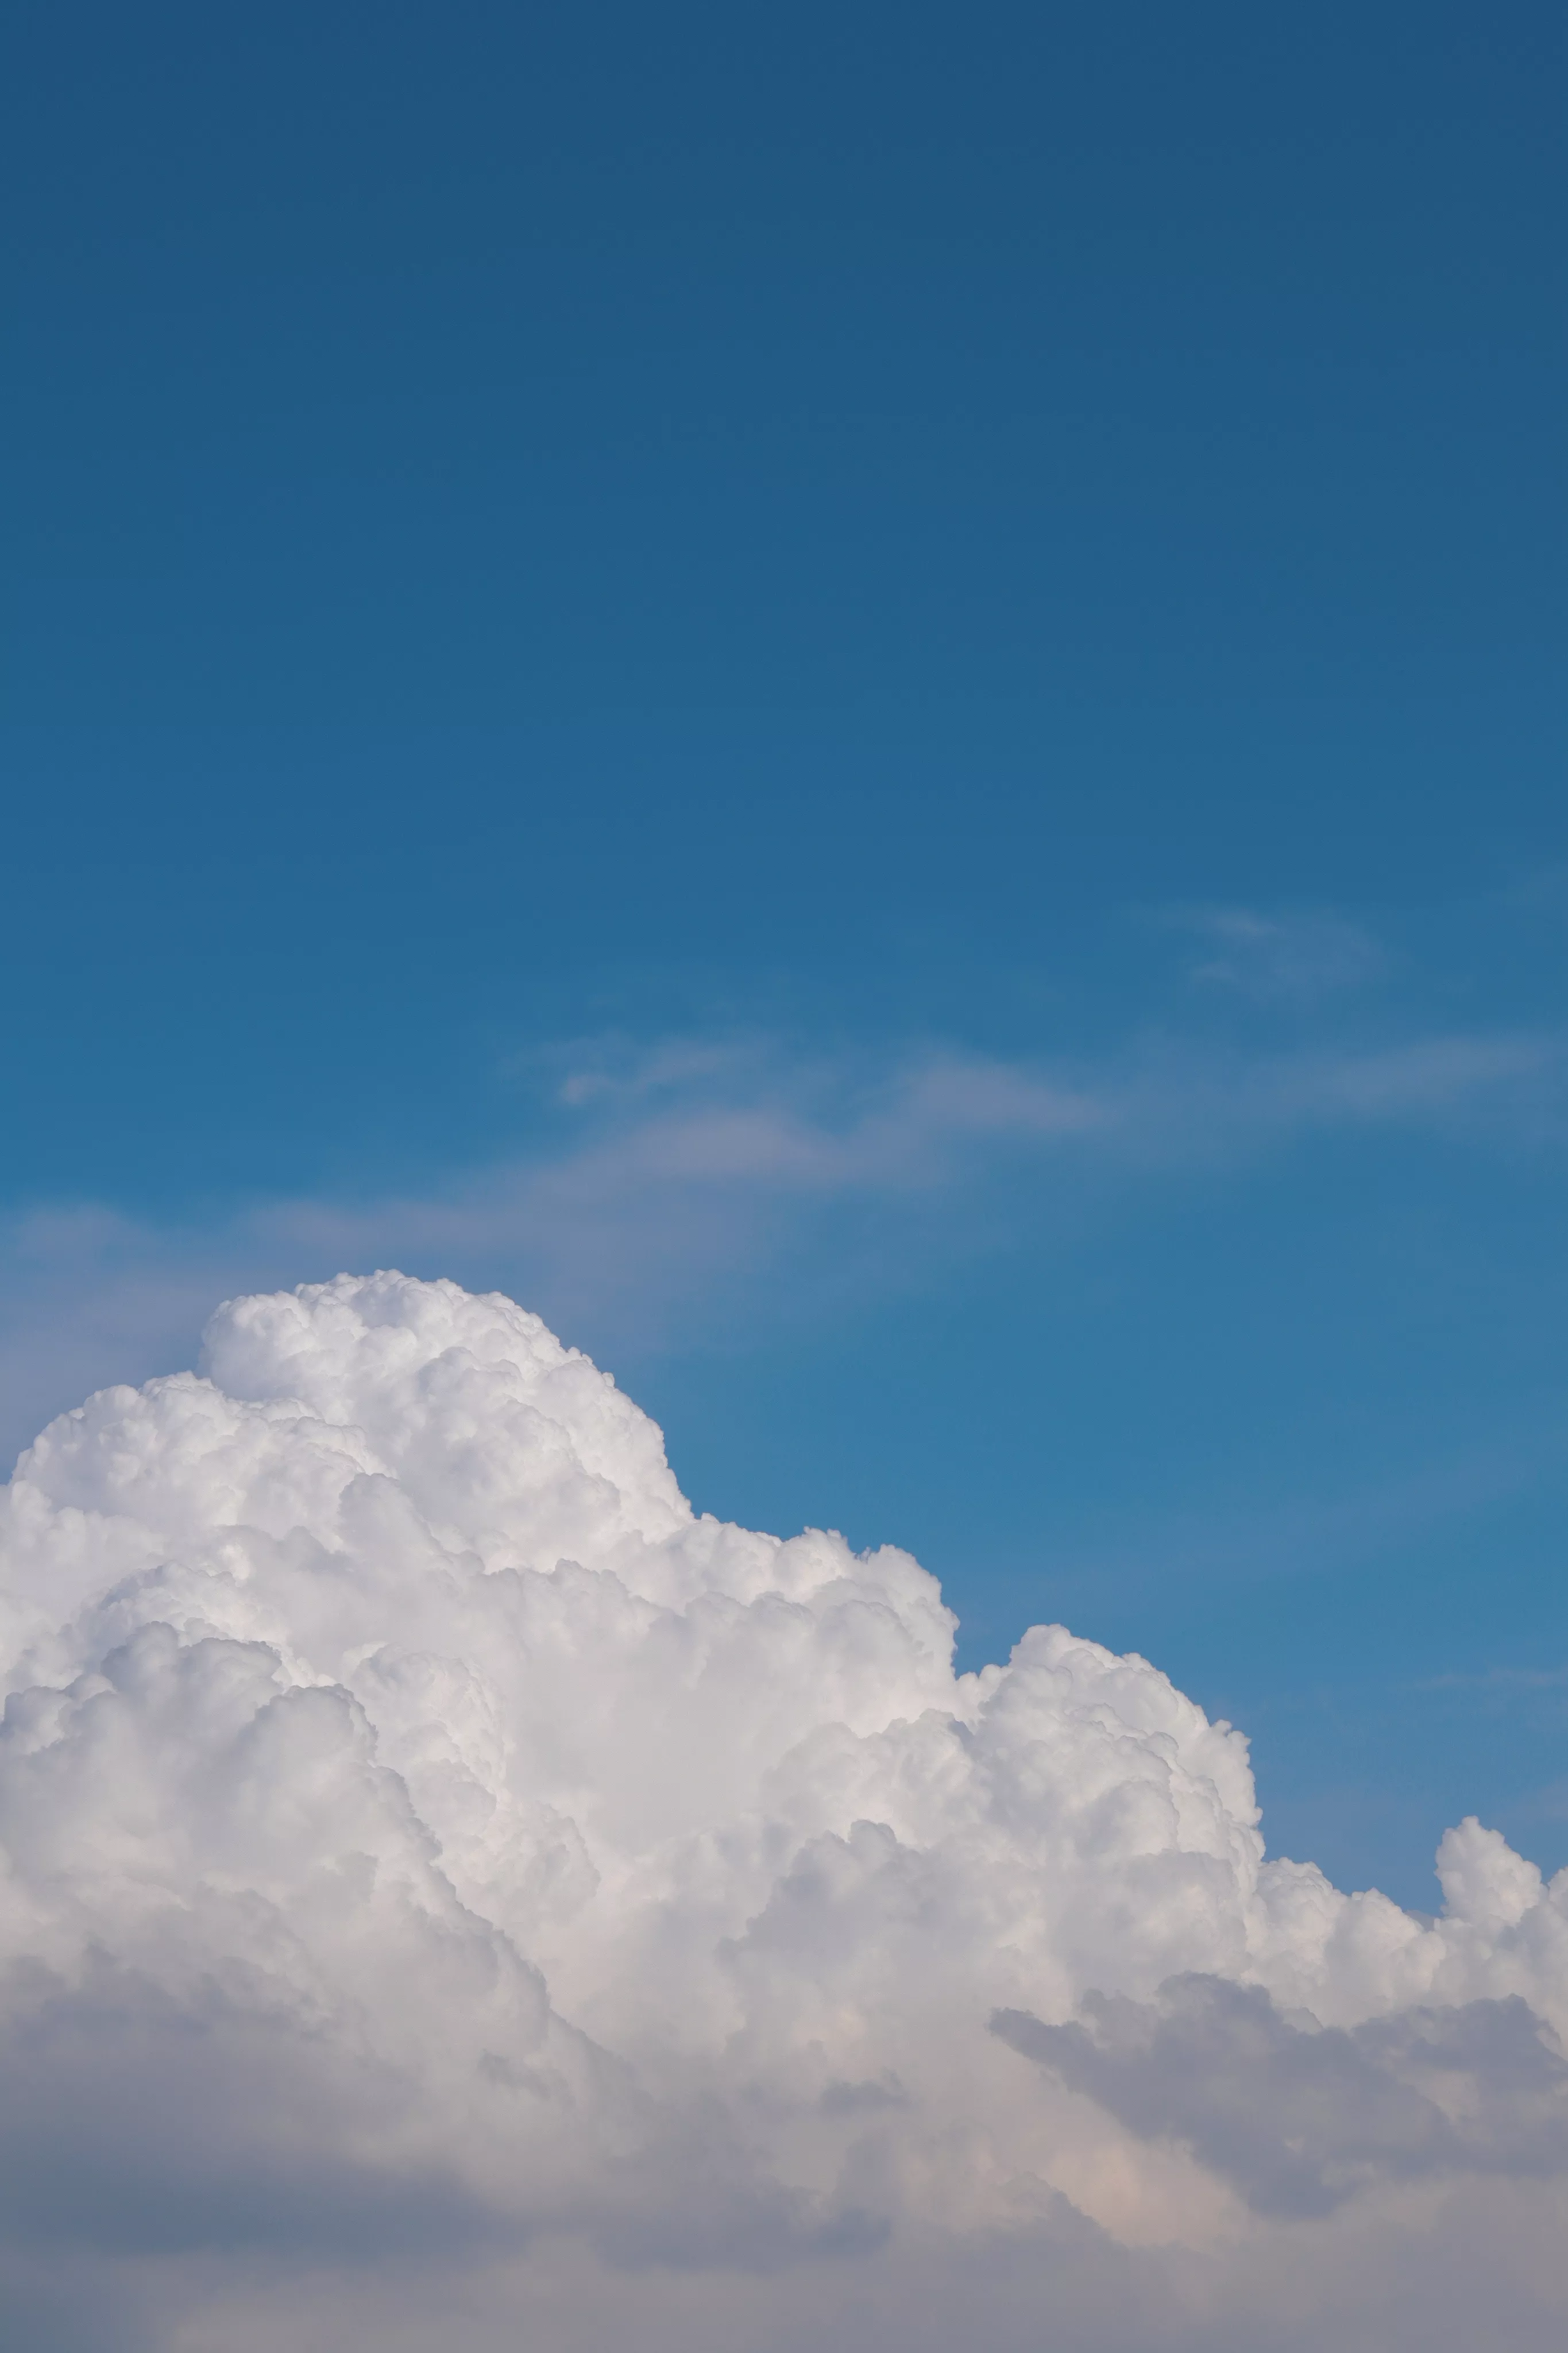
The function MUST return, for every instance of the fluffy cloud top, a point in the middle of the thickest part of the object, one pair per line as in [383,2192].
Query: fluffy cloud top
[440,1873]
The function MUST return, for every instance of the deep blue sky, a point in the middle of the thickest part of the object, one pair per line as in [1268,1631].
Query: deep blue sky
[577,575]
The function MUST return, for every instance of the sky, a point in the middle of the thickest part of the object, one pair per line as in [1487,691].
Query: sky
[867,701]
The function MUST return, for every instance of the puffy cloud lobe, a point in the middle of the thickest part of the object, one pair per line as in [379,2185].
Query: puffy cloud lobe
[421,1835]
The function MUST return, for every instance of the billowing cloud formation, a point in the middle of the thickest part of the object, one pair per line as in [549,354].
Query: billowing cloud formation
[451,1890]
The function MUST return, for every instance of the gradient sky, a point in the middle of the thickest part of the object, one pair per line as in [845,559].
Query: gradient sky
[868,699]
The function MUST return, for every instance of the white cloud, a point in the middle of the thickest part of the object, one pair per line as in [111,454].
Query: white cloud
[453,1895]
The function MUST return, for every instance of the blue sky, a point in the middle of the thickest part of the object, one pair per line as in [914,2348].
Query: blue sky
[869,700]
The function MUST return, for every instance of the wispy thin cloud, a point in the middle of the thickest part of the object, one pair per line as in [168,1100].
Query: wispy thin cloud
[722,1161]
[1503,1680]
[1292,958]
[679,1180]
[1338,1521]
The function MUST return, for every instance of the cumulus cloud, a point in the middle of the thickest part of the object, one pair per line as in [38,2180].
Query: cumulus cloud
[450,1890]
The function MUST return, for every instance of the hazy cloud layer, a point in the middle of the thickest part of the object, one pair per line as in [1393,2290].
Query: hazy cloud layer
[452,1895]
